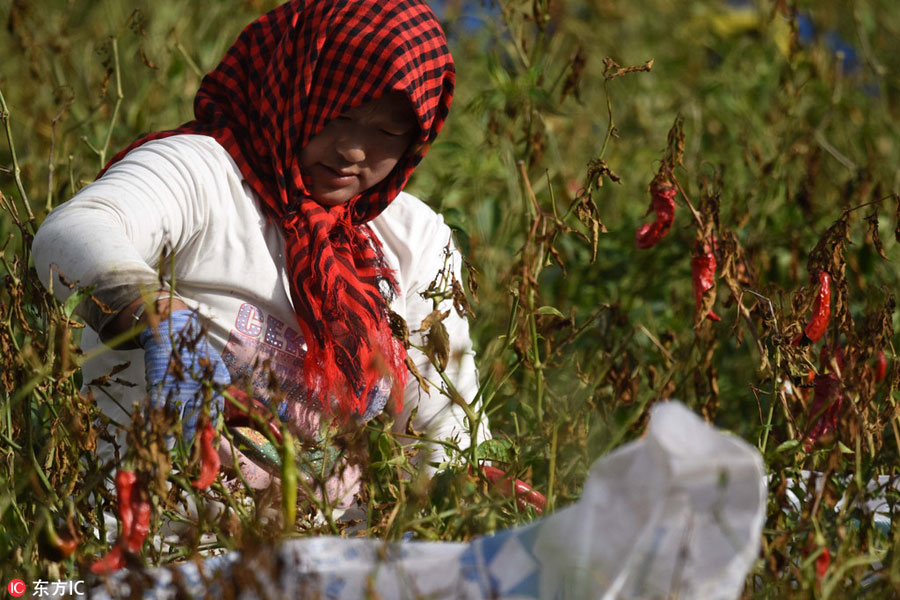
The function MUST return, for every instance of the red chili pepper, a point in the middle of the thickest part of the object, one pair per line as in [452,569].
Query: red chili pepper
[703,271]
[524,494]
[817,325]
[822,563]
[880,366]
[54,545]
[67,545]
[825,408]
[125,482]
[209,458]
[141,507]
[821,313]
[111,561]
[662,202]
[134,515]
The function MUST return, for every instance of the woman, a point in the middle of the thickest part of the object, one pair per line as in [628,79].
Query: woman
[270,242]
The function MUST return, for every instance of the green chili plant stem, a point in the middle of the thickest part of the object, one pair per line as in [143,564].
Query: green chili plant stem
[610,126]
[538,219]
[190,61]
[514,35]
[552,477]
[766,428]
[456,398]
[51,166]
[71,170]
[119,97]
[536,353]
[32,458]
[17,172]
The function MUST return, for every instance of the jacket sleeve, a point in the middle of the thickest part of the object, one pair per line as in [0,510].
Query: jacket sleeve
[115,235]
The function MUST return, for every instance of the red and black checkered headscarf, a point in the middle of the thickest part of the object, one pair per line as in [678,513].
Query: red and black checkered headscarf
[285,77]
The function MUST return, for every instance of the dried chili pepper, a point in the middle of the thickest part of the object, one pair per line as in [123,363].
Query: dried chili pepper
[134,515]
[524,494]
[209,458]
[662,202]
[703,271]
[825,408]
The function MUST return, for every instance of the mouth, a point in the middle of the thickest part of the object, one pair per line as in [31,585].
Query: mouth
[336,177]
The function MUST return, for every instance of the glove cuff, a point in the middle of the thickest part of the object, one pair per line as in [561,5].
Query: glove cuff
[176,321]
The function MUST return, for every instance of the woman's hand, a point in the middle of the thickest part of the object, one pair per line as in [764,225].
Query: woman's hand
[183,369]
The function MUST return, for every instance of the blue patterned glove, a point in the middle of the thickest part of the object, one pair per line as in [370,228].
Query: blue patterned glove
[177,359]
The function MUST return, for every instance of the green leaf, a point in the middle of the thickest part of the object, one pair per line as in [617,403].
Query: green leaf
[75,299]
[499,450]
[786,446]
[549,310]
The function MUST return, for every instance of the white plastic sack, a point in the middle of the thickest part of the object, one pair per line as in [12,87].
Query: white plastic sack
[677,513]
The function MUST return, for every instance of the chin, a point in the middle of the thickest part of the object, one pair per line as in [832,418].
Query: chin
[333,198]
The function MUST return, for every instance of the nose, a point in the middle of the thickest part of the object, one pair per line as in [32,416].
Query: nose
[350,148]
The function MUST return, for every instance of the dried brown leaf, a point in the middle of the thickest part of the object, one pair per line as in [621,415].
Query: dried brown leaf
[472,281]
[897,218]
[460,300]
[572,84]
[437,344]
[435,317]
[873,234]
[611,68]
[675,143]
[399,328]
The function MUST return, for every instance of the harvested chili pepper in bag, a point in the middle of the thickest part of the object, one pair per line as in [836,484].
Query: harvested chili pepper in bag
[209,458]
[825,408]
[662,202]
[134,515]
[703,272]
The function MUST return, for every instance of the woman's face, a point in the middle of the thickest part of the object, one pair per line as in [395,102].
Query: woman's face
[358,149]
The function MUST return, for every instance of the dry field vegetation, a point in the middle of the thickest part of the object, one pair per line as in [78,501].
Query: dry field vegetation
[776,121]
